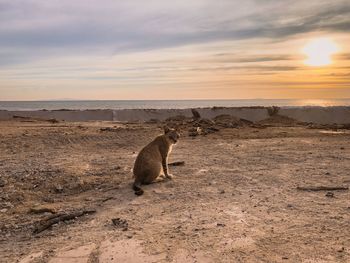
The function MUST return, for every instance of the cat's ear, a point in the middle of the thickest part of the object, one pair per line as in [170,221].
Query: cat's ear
[166,129]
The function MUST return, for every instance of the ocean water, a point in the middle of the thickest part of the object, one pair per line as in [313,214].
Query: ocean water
[164,104]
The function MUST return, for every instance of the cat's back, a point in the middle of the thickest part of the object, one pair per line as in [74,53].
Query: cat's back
[150,152]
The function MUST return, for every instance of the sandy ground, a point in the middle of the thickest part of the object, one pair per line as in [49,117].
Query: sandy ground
[234,200]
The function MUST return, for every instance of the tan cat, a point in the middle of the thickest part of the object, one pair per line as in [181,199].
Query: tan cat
[153,158]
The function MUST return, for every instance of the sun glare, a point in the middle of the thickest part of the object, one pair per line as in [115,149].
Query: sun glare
[319,52]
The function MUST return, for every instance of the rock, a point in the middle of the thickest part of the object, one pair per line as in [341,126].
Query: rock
[58,188]
[2,182]
[213,129]
[117,167]
[179,163]
[228,121]
[41,209]
[272,111]
[206,122]
[342,249]
[120,223]
[195,131]
[195,114]
[48,199]
[6,205]
[112,129]
[212,183]
[330,194]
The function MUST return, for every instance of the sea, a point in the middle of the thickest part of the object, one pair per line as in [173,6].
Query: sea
[164,104]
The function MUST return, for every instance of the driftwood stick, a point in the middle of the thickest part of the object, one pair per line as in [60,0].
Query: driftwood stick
[322,188]
[195,114]
[180,163]
[58,218]
[35,210]
[107,199]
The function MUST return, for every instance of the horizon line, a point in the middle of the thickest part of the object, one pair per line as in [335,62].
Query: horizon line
[65,100]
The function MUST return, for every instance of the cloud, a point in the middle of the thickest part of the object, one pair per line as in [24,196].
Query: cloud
[125,26]
[237,58]
[68,46]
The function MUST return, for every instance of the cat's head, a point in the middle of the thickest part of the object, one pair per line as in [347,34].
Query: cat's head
[171,134]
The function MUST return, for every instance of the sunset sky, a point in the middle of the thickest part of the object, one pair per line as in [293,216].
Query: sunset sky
[184,49]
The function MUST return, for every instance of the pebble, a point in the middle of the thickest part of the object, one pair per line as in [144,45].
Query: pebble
[329,194]
[58,188]
[2,182]
[120,223]
[342,249]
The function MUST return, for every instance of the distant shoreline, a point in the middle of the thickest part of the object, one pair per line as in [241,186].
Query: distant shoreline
[307,114]
[165,104]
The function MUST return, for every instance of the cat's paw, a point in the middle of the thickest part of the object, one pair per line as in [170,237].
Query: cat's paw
[170,176]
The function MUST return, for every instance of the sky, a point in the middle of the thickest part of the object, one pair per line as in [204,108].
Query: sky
[160,49]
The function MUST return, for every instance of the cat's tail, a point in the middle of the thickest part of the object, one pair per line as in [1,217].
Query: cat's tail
[136,187]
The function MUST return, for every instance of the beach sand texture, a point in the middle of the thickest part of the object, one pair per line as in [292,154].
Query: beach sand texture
[234,200]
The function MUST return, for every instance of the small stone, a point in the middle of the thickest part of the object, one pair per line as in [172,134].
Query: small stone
[220,224]
[48,199]
[222,191]
[2,182]
[342,249]
[7,205]
[58,188]
[41,209]
[330,194]
[120,223]
[212,183]
[195,131]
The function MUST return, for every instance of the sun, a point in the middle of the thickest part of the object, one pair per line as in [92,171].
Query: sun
[319,52]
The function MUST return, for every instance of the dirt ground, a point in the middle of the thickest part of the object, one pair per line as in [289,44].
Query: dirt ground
[234,200]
